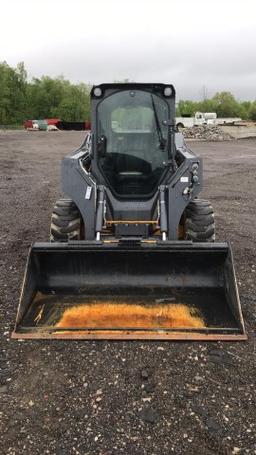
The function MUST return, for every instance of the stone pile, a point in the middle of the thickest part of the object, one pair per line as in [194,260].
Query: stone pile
[207,133]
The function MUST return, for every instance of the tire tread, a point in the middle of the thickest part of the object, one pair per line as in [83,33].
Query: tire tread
[65,221]
[199,221]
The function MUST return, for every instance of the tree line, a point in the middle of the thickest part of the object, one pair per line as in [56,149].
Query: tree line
[47,97]
[223,103]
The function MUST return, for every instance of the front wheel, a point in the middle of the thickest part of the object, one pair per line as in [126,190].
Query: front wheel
[66,222]
[199,221]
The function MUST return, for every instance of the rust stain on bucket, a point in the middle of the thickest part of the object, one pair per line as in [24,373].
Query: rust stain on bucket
[119,315]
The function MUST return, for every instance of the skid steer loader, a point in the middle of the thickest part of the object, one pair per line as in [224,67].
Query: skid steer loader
[131,252]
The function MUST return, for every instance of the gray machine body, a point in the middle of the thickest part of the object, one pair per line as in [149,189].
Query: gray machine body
[86,185]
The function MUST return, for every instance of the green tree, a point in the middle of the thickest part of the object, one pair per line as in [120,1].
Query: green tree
[13,101]
[252,111]
[75,104]
[187,108]
[58,98]
[207,105]
[226,105]
[45,95]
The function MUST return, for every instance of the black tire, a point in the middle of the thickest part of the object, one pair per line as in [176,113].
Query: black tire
[66,222]
[199,221]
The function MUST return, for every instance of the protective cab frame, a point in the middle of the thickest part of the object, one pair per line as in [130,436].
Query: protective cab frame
[85,184]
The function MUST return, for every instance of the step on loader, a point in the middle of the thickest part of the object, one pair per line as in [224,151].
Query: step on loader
[131,252]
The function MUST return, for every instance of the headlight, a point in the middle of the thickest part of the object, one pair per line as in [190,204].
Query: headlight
[97,91]
[167,91]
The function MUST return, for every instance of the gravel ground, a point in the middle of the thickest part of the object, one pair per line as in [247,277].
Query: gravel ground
[112,398]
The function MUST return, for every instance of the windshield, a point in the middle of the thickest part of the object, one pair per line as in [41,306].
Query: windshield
[132,141]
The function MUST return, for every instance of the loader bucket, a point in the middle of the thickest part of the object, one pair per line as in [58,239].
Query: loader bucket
[160,291]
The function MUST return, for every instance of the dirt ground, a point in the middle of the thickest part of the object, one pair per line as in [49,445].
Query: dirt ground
[112,398]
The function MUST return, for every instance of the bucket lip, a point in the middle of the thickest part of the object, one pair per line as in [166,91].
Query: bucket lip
[126,335]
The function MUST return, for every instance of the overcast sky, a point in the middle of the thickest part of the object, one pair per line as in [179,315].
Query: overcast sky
[201,46]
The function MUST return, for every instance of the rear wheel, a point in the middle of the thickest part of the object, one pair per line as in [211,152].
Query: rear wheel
[199,221]
[66,222]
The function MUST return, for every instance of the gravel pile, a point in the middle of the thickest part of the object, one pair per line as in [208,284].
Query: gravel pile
[207,133]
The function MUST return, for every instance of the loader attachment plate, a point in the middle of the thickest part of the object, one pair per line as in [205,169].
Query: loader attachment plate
[167,290]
